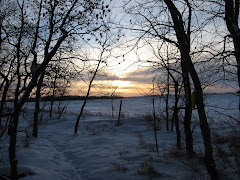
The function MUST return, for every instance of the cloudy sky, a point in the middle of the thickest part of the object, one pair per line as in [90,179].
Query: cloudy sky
[131,75]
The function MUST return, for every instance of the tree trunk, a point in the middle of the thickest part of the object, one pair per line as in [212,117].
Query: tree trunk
[205,130]
[12,131]
[231,18]
[119,113]
[187,88]
[61,112]
[37,106]
[36,113]
[18,104]
[51,107]
[172,123]
[155,123]
[3,101]
[112,108]
[167,99]
[53,95]
[88,92]
[188,111]
[80,114]
[185,57]
[175,115]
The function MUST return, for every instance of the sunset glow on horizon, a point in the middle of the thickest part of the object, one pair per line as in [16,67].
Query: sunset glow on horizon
[107,88]
[129,88]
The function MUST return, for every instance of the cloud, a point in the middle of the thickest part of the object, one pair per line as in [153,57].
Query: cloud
[140,76]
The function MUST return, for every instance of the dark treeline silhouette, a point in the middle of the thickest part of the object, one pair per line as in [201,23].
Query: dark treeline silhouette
[68,98]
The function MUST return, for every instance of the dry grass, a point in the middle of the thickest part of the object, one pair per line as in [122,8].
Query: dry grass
[148,118]
[92,131]
[175,152]
[141,140]
[119,167]
[147,168]
[227,151]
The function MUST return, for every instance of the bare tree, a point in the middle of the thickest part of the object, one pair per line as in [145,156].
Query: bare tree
[184,46]
[154,117]
[232,21]
[152,29]
[228,14]
[56,25]
[7,58]
[39,84]
[176,29]
[37,105]
[104,54]
[112,95]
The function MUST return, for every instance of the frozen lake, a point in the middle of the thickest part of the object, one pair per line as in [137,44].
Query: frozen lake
[215,105]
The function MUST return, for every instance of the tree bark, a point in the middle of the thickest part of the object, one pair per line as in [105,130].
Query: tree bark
[167,100]
[188,110]
[37,106]
[3,101]
[12,131]
[175,115]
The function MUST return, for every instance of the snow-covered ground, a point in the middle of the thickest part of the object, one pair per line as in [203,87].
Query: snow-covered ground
[102,150]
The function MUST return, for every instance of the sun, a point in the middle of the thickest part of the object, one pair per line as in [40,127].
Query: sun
[121,84]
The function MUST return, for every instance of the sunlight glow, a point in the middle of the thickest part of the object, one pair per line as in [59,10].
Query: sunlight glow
[121,84]
[121,66]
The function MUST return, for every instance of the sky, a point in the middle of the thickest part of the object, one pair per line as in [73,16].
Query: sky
[125,79]
[127,75]
[129,79]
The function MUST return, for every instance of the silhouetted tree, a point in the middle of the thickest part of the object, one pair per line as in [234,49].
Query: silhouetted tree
[184,46]
[232,21]
[36,38]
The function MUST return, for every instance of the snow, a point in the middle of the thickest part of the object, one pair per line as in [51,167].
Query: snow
[101,150]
